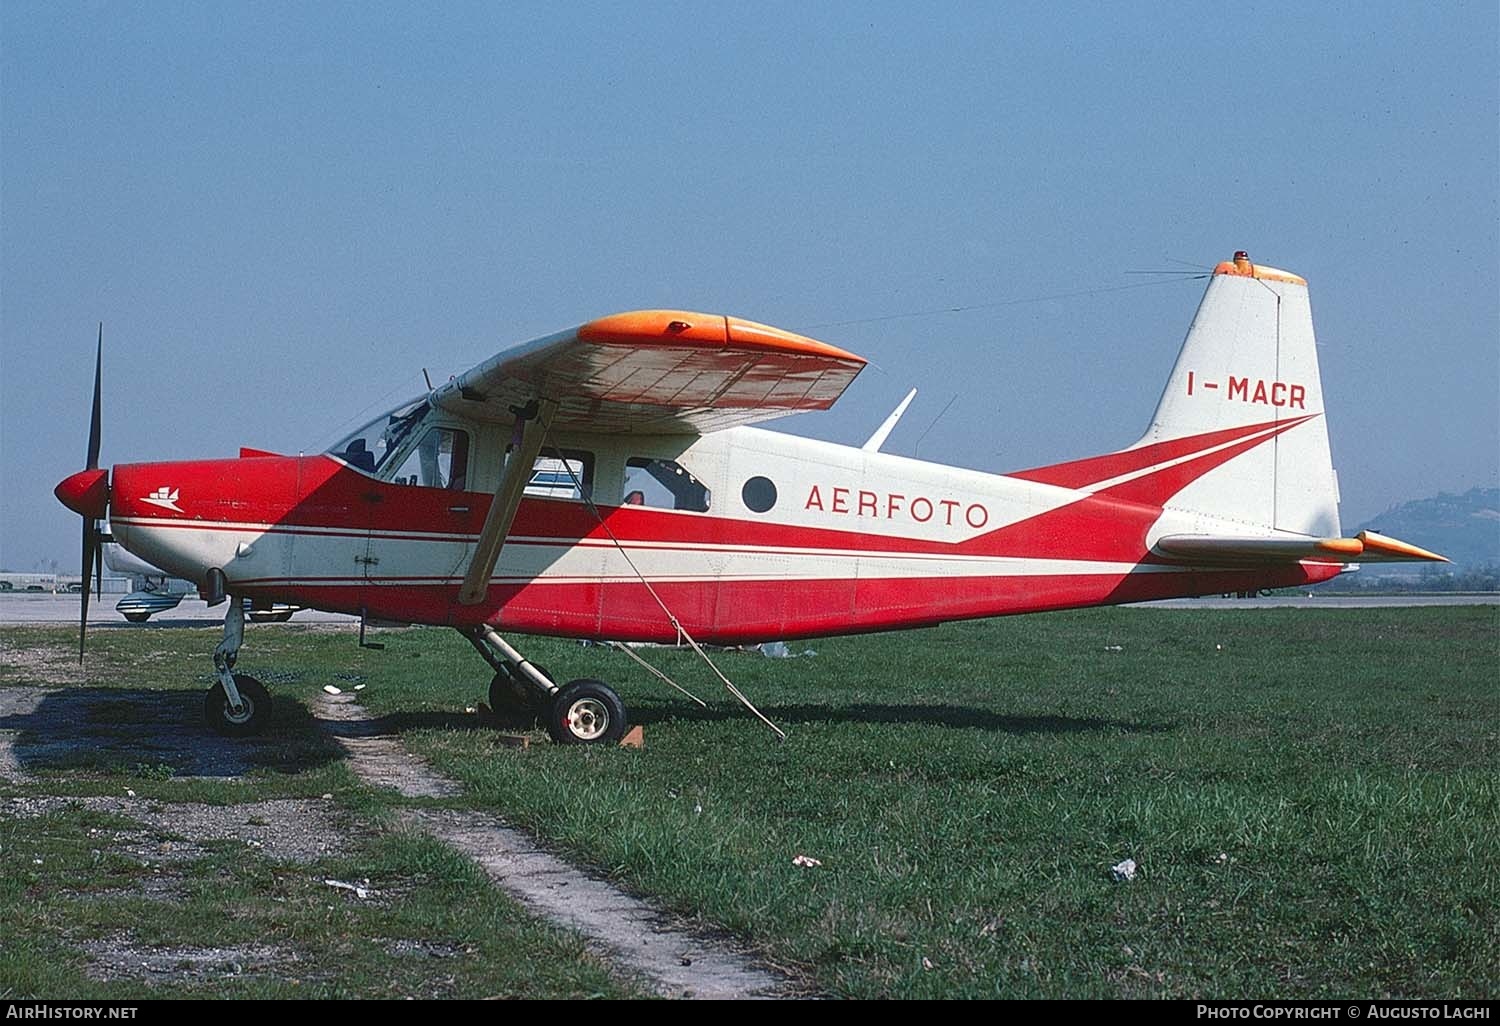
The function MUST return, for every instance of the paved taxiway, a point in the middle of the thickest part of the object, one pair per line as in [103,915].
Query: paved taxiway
[40,608]
[1335,601]
[44,608]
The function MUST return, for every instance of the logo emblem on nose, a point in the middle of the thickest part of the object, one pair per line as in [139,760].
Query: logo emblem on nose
[165,498]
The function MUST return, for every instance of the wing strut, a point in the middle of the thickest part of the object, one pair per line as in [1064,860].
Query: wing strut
[532,425]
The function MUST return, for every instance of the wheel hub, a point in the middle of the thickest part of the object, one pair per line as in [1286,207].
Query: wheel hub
[588,719]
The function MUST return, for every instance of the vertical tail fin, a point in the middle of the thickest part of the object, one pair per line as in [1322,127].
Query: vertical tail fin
[1249,369]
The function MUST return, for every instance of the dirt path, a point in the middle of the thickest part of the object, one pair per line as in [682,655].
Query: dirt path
[377,756]
[15,704]
[631,932]
[294,829]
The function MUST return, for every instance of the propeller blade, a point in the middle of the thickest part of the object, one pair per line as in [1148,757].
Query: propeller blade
[93,552]
[94,425]
[90,546]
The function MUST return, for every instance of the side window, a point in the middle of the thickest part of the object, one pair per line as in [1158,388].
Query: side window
[440,460]
[663,484]
[558,473]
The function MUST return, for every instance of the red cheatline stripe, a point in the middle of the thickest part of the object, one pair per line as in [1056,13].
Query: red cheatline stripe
[1110,524]
[1084,472]
[1159,486]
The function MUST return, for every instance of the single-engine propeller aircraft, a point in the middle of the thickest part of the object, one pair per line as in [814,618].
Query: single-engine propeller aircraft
[606,482]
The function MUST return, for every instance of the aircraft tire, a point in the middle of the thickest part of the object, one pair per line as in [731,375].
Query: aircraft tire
[512,692]
[586,712]
[254,720]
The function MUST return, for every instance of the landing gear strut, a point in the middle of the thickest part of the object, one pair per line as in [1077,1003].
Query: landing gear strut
[511,691]
[237,705]
[582,712]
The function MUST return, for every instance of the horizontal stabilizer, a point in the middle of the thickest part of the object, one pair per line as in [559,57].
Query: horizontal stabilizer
[1380,549]
[1366,547]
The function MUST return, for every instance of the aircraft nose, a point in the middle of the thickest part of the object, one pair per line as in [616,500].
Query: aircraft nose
[85,493]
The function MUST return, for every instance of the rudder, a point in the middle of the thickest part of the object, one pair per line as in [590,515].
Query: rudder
[1250,361]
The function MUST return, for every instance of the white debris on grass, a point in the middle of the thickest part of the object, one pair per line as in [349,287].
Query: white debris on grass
[779,650]
[330,689]
[360,891]
[806,861]
[1123,871]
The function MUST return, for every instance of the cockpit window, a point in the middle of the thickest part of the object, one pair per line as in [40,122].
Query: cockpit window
[558,474]
[663,484]
[439,460]
[371,447]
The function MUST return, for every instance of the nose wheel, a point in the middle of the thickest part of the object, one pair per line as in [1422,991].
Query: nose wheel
[237,705]
[251,716]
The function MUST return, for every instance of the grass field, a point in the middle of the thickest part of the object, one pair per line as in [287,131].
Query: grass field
[1311,797]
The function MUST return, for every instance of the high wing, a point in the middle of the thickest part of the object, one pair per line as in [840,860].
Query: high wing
[644,372]
[657,372]
[1365,547]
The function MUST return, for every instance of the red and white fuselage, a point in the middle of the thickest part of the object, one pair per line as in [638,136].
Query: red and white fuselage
[786,537]
[855,541]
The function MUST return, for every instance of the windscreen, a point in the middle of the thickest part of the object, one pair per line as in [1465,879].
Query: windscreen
[369,448]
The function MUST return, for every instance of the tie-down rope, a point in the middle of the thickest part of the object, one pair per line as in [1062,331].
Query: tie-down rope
[682,632]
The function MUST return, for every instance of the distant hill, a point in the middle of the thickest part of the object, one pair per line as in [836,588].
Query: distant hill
[1465,528]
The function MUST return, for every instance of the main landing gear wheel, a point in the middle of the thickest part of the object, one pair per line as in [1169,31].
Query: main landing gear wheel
[586,712]
[511,691]
[254,715]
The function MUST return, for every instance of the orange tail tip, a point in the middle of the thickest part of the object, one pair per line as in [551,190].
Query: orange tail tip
[1241,267]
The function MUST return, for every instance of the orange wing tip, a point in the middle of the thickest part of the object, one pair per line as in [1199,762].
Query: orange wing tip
[646,327]
[1241,267]
[750,333]
[1395,548]
[1341,546]
[674,327]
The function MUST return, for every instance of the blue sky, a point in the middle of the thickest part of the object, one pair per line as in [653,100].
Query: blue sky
[283,213]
